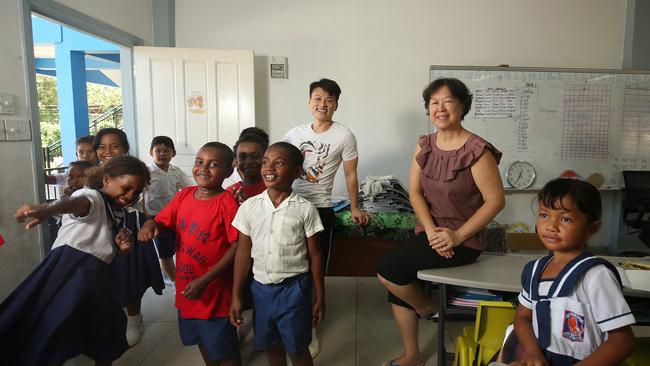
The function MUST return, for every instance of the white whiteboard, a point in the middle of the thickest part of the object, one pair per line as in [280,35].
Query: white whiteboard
[589,121]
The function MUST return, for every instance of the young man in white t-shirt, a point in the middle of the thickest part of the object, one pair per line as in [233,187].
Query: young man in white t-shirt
[324,145]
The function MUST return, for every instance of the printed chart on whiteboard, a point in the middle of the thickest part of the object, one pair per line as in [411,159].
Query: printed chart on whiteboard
[589,121]
[585,132]
[636,128]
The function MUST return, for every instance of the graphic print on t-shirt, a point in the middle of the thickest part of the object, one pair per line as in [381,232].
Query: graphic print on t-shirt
[315,154]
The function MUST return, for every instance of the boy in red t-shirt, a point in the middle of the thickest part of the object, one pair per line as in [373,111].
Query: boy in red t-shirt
[249,151]
[201,217]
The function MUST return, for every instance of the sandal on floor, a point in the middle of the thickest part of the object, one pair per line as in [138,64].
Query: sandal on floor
[392,363]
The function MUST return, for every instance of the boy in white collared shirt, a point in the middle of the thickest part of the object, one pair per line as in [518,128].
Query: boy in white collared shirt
[166,181]
[278,230]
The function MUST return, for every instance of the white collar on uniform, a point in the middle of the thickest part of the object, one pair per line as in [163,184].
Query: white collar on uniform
[293,197]
[155,168]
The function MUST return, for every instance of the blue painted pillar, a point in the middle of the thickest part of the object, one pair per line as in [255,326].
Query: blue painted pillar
[73,99]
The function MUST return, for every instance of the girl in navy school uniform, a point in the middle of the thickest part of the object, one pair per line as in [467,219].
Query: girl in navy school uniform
[139,269]
[67,306]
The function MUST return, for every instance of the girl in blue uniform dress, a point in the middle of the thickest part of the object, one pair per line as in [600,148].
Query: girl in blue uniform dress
[68,306]
[138,270]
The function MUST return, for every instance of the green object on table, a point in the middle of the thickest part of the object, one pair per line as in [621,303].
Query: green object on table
[641,353]
[396,226]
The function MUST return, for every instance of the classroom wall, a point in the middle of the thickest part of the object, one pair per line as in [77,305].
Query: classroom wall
[22,251]
[636,51]
[132,16]
[380,52]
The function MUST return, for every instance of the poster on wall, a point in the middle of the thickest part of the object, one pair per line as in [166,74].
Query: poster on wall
[195,101]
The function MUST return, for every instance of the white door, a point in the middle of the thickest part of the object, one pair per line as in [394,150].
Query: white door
[193,96]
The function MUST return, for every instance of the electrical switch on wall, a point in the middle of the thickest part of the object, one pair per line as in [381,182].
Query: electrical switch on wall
[279,67]
[17,130]
[7,103]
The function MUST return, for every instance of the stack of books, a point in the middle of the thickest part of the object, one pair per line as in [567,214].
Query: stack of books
[470,297]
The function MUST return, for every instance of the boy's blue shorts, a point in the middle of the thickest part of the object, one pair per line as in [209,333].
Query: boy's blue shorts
[283,313]
[217,336]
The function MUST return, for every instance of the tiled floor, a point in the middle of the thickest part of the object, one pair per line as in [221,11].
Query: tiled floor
[358,330]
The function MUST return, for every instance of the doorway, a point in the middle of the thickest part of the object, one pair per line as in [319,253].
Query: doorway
[78,79]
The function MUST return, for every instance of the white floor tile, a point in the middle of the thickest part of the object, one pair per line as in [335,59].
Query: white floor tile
[358,330]
[171,352]
[340,297]
[378,341]
[154,334]
[337,337]
[372,299]
[159,308]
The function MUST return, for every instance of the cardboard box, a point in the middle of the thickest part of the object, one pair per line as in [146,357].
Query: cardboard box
[523,241]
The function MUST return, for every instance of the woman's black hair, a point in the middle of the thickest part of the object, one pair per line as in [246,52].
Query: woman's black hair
[230,156]
[124,141]
[583,194]
[294,152]
[116,167]
[330,86]
[457,88]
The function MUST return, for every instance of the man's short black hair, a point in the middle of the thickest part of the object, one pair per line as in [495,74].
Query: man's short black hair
[330,86]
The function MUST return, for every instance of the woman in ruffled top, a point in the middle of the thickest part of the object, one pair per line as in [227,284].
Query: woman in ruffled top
[456,190]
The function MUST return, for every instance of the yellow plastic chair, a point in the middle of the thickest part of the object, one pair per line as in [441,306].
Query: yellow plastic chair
[465,349]
[484,340]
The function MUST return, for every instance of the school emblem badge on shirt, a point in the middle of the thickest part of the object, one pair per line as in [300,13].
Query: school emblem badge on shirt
[574,326]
